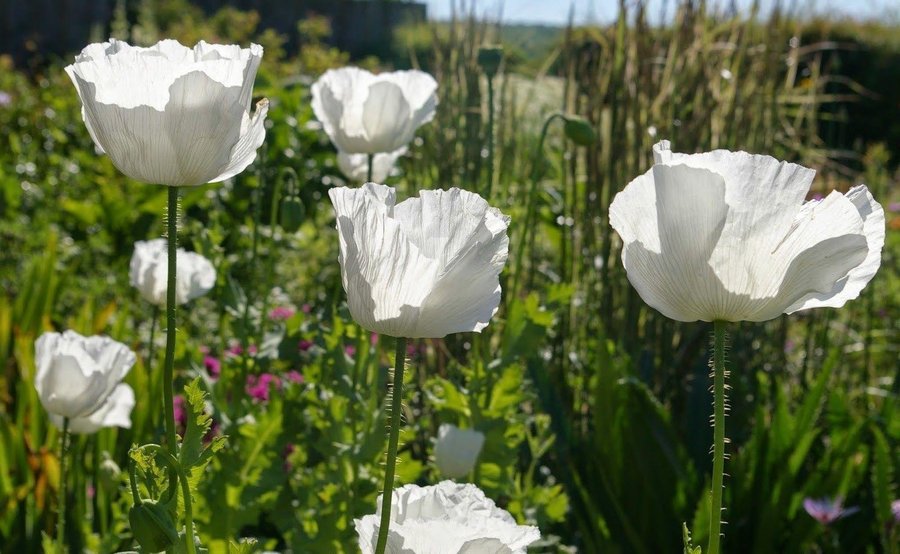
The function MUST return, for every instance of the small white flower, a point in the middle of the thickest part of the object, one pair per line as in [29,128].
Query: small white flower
[424,268]
[447,518]
[456,450]
[77,375]
[115,412]
[149,267]
[370,114]
[356,166]
[169,114]
[726,74]
[651,130]
[726,236]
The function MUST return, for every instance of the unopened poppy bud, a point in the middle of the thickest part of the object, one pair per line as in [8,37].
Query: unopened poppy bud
[152,526]
[579,130]
[489,58]
[292,212]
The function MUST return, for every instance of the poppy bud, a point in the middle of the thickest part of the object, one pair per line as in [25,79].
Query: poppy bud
[579,130]
[292,212]
[489,58]
[152,526]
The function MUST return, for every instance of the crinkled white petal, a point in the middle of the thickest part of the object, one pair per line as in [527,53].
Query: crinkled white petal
[356,166]
[253,134]
[723,236]
[447,518]
[456,450]
[424,269]
[169,114]
[857,278]
[148,272]
[366,113]
[115,412]
[75,374]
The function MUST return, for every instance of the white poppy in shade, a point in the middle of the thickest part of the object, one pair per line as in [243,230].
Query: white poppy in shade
[169,114]
[115,412]
[370,114]
[356,166]
[456,450]
[149,267]
[726,236]
[447,518]
[424,268]
[76,375]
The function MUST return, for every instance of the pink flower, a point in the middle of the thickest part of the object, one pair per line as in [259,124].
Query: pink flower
[350,350]
[286,454]
[827,510]
[281,313]
[236,350]
[213,366]
[306,308]
[259,386]
[294,376]
[373,339]
[304,345]
[895,509]
[180,412]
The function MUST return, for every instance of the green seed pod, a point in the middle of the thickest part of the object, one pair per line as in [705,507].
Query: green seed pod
[489,58]
[579,130]
[152,526]
[292,213]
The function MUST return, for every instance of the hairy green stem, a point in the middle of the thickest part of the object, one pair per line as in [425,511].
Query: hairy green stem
[169,368]
[61,524]
[718,486]
[490,139]
[531,204]
[393,438]
[370,159]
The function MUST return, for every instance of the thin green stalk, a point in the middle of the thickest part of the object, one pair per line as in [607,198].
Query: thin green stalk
[169,368]
[61,524]
[396,398]
[531,204]
[490,139]
[718,486]
[370,159]
[151,345]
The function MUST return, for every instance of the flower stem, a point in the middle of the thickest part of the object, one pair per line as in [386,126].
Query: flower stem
[150,345]
[370,158]
[168,373]
[718,486]
[396,397]
[490,139]
[61,524]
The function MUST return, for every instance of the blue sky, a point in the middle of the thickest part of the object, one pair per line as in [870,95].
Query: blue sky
[555,12]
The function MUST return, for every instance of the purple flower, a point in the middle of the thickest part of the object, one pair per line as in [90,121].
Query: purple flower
[5,98]
[350,350]
[894,207]
[306,308]
[304,345]
[236,350]
[281,313]
[286,454]
[259,386]
[789,346]
[895,508]
[213,366]
[827,510]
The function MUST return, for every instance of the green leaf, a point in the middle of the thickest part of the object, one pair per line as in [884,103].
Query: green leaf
[689,548]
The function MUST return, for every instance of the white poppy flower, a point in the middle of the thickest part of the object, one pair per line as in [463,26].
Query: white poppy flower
[726,236]
[447,518]
[76,375]
[370,114]
[424,268]
[149,272]
[169,114]
[356,166]
[456,450]
[115,412]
